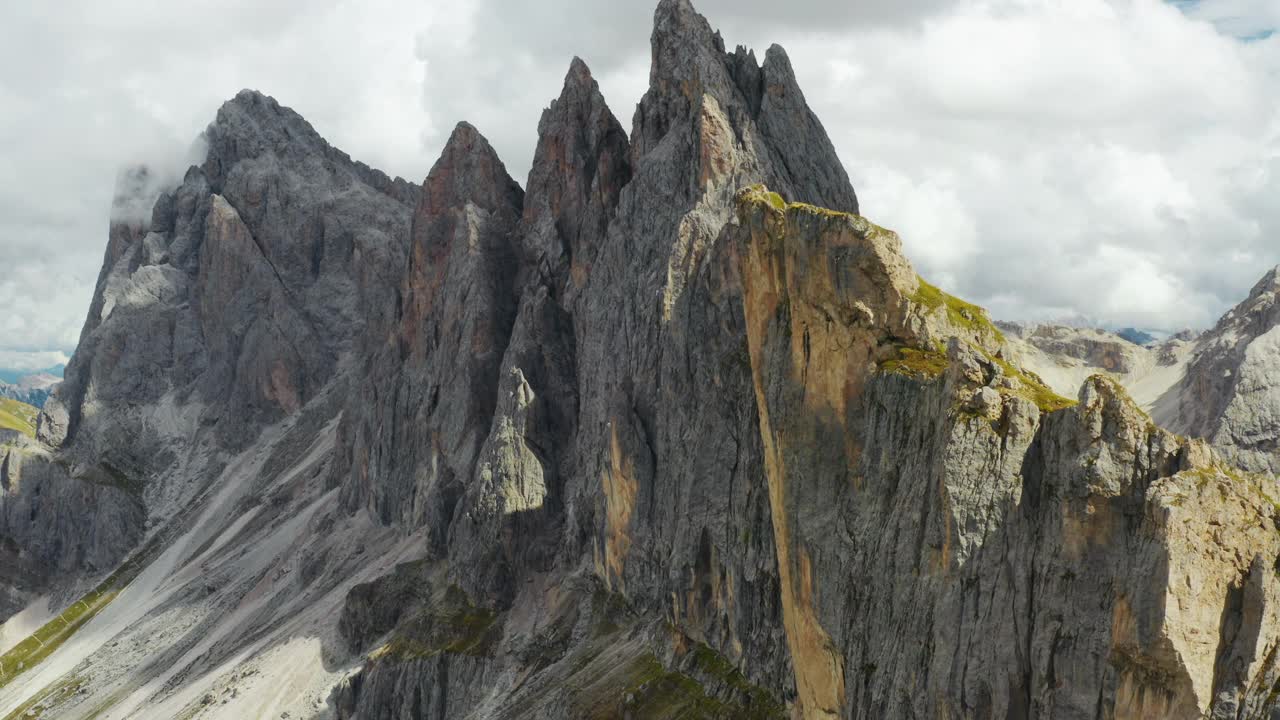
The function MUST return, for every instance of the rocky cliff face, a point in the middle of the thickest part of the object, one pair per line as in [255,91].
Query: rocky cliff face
[671,432]
[229,310]
[1231,391]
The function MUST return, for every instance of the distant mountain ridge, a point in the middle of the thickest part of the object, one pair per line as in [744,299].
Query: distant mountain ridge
[1136,336]
[32,388]
[14,376]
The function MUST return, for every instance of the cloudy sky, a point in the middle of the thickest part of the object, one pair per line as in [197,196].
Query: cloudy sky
[1109,161]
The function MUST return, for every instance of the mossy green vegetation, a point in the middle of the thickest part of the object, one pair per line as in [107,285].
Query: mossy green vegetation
[760,195]
[652,691]
[456,628]
[1033,388]
[756,704]
[960,313]
[1264,486]
[827,213]
[18,416]
[49,698]
[43,642]
[914,362]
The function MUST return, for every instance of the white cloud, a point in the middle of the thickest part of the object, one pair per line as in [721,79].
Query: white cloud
[1115,159]
[31,361]
[88,87]
[1105,159]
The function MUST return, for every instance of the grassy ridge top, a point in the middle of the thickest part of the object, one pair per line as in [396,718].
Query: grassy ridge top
[18,416]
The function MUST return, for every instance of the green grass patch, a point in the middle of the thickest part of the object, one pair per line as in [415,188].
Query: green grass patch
[914,362]
[46,640]
[960,313]
[757,703]
[652,691]
[43,642]
[49,698]
[457,628]
[18,416]
[828,213]
[1033,388]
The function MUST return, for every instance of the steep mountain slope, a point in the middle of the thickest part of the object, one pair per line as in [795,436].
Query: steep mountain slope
[208,373]
[18,417]
[671,432]
[1231,391]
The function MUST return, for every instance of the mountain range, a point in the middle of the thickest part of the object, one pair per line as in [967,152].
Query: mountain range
[670,431]
[30,388]
[14,376]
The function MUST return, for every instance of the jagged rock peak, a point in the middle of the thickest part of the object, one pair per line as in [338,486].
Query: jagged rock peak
[1269,284]
[580,95]
[580,166]
[687,58]
[252,124]
[252,115]
[469,170]
[677,22]
[579,73]
[733,101]
[468,175]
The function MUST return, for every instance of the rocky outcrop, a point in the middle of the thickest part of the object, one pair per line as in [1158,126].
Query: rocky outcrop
[579,168]
[226,309]
[801,457]
[57,521]
[674,432]
[1230,394]
[413,441]
[969,550]
[244,286]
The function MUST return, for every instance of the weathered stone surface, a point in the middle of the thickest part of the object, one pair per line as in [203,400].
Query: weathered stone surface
[1230,394]
[57,521]
[413,440]
[915,553]
[579,167]
[788,447]
[676,433]
[223,310]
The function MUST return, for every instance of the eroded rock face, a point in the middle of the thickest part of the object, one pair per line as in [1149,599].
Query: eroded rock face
[225,309]
[1231,392]
[1107,352]
[674,433]
[414,435]
[57,521]
[767,432]
[1015,563]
